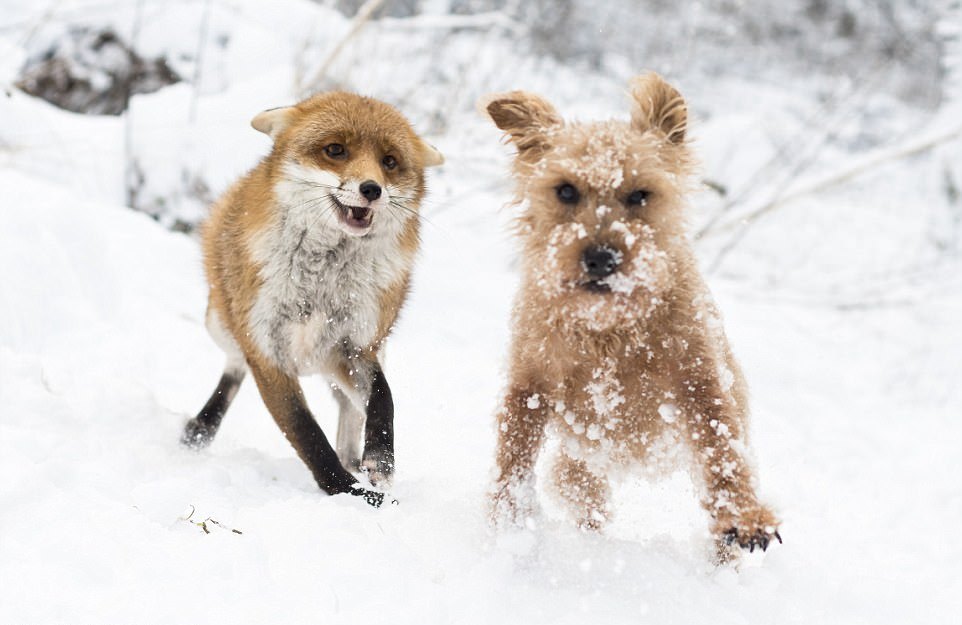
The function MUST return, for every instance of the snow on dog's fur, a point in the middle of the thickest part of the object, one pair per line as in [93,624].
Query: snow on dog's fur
[617,346]
[308,258]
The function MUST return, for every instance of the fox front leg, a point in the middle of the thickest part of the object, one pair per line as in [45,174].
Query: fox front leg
[362,381]
[284,398]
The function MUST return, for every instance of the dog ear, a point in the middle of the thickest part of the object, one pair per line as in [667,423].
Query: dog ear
[525,118]
[658,105]
[430,155]
[272,121]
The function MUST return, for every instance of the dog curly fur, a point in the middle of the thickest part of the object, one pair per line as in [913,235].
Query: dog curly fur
[618,366]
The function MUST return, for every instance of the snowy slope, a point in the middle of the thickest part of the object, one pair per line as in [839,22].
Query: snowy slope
[843,308]
[104,356]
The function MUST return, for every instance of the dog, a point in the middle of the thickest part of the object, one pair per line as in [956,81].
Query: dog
[617,347]
[309,258]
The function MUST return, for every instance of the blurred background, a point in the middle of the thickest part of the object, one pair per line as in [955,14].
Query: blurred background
[848,108]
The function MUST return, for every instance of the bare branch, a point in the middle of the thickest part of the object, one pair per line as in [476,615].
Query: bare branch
[199,61]
[363,16]
[480,21]
[870,162]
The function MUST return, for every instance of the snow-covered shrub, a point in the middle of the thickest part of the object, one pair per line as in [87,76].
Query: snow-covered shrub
[92,70]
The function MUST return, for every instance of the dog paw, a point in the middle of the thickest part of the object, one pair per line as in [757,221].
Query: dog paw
[196,435]
[754,528]
[512,504]
[593,521]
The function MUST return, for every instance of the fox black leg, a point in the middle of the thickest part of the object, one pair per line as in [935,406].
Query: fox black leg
[200,431]
[378,459]
[282,394]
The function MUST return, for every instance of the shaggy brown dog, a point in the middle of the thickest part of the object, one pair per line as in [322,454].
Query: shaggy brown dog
[617,348]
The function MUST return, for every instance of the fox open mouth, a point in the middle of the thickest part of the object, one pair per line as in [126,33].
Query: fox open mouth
[357,217]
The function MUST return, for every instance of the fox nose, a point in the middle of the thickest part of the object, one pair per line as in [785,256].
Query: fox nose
[600,261]
[370,190]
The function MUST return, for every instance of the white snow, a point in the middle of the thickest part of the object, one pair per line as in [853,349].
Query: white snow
[668,413]
[840,307]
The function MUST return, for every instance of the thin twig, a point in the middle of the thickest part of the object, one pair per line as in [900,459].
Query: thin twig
[131,169]
[203,524]
[800,144]
[870,162]
[479,21]
[199,61]
[363,16]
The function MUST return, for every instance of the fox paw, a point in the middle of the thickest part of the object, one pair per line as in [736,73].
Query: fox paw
[372,498]
[197,434]
[379,468]
[755,528]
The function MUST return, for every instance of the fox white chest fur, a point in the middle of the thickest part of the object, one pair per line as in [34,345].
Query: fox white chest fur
[321,289]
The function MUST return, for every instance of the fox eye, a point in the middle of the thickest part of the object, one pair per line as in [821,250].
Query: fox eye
[335,150]
[567,193]
[638,197]
[389,162]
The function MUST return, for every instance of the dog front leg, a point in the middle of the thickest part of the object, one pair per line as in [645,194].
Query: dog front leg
[521,423]
[285,400]
[715,427]
[585,492]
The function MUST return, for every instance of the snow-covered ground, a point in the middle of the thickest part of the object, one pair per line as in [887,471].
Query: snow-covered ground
[843,307]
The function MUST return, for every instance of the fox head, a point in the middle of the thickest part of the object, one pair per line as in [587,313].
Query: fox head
[602,201]
[347,161]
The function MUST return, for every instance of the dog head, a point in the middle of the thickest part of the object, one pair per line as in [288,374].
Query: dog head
[347,161]
[601,201]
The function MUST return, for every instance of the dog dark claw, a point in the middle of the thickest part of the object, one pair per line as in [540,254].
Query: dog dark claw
[760,539]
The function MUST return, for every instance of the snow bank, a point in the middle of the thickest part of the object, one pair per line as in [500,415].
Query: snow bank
[104,356]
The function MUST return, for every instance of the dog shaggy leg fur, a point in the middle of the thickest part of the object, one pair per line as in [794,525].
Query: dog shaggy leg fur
[715,423]
[521,424]
[586,493]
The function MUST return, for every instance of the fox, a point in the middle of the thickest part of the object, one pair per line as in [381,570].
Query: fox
[308,259]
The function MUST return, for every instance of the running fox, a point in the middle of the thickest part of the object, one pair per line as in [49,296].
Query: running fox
[308,258]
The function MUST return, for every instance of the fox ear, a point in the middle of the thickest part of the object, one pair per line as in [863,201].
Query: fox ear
[272,121]
[658,106]
[430,155]
[525,118]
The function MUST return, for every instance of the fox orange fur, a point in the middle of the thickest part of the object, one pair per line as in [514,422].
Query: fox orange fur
[308,258]
[617,347]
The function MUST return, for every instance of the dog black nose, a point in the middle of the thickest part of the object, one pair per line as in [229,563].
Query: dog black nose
[370,190]
[600,261]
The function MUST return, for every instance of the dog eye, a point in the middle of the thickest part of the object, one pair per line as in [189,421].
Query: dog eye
[335,150]
[389,162]
[567,193]
[638,197]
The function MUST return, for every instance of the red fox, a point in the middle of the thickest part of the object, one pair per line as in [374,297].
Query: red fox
[309,258]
